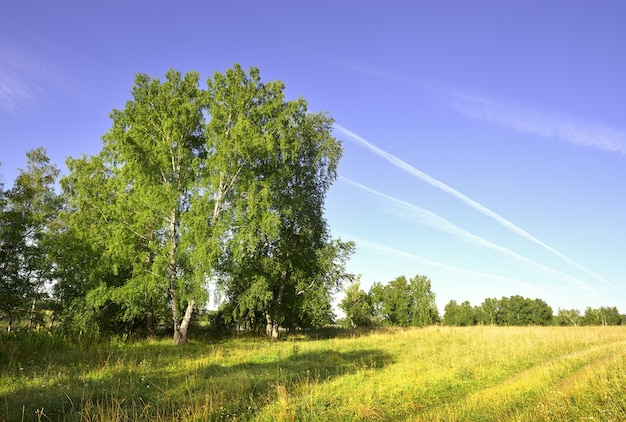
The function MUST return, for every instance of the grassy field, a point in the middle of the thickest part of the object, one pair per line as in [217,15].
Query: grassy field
[437,373]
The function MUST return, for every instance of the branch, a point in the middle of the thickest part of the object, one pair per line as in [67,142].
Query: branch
[306,288]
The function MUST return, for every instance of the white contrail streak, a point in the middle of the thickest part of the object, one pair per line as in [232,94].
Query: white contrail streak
[543,123]
[437,222]
[377,247]
[403,165]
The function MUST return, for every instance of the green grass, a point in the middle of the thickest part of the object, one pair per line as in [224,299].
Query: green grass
[437,373]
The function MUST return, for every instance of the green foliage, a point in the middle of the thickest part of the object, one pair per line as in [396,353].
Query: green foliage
[568,317]
[28,211]
[126,204]
[397,303]
[195,186]
[400,302]
[490,307]
[460,315]
[272,167]
[515,310]
[602,316]
[357,306]
[377,299]
[423,307]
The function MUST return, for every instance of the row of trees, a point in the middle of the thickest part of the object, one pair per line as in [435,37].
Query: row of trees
[194,189]
[514,310]
[400,302]
[403,302]
[593,316]
[518,310]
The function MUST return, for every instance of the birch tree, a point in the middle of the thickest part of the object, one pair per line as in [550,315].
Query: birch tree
[195,186]
[27,212]
[270,167]
[132,197]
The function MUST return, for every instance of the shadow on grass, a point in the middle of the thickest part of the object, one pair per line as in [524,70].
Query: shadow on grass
[321,333]
[164,382]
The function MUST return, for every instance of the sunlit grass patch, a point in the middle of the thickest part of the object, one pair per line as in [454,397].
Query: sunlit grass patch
[436,373]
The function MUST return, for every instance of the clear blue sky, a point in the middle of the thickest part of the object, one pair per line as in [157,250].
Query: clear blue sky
[484,141]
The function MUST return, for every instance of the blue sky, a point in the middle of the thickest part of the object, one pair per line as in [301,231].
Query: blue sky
[484,141]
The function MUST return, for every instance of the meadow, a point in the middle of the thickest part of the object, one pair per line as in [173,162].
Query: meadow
[436,373]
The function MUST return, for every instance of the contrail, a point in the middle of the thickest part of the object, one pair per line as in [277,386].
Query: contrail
[375,246]
[403,165]
[543,124]
[546,124]
[437,222]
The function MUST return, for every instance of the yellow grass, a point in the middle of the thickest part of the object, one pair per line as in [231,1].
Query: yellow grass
[436,373]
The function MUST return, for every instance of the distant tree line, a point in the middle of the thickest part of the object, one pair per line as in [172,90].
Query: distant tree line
[592,316]
[514,310]
[518,310]
[404,303]
[220,188]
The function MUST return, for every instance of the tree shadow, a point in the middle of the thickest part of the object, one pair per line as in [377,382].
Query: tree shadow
[182,380]
[335,332]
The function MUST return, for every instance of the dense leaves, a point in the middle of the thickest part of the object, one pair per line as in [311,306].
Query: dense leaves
[512,311]
[357,305]
[28,211]
[272,166]
[603,316]
[461,315]
[194,187]
[127,204]
[400,302]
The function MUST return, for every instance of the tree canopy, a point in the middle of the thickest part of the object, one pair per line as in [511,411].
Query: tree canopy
[193,186]
[400,302]
[28,210]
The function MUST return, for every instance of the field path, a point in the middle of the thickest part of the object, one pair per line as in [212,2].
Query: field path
[527,388]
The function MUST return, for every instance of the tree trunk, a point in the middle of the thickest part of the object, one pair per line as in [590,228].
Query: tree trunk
[150,320]
[52,321]
[174,300]
[180,331]
[180,337]
[271,328]
[150,303]
[32,314]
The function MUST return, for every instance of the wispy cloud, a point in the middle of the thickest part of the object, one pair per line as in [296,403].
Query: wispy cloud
[16,90]
[415,214]
[403,165]
[543,123]
[548,125]
[25,79]
[378,247]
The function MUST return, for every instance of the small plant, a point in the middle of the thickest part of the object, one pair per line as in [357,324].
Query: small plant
[41,414]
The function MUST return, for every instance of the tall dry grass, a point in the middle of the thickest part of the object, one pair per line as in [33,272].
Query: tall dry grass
[436,373]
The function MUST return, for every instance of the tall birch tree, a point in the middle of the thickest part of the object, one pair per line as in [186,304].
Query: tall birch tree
[195,186]
[132,197]
[28,210]
[272,166]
